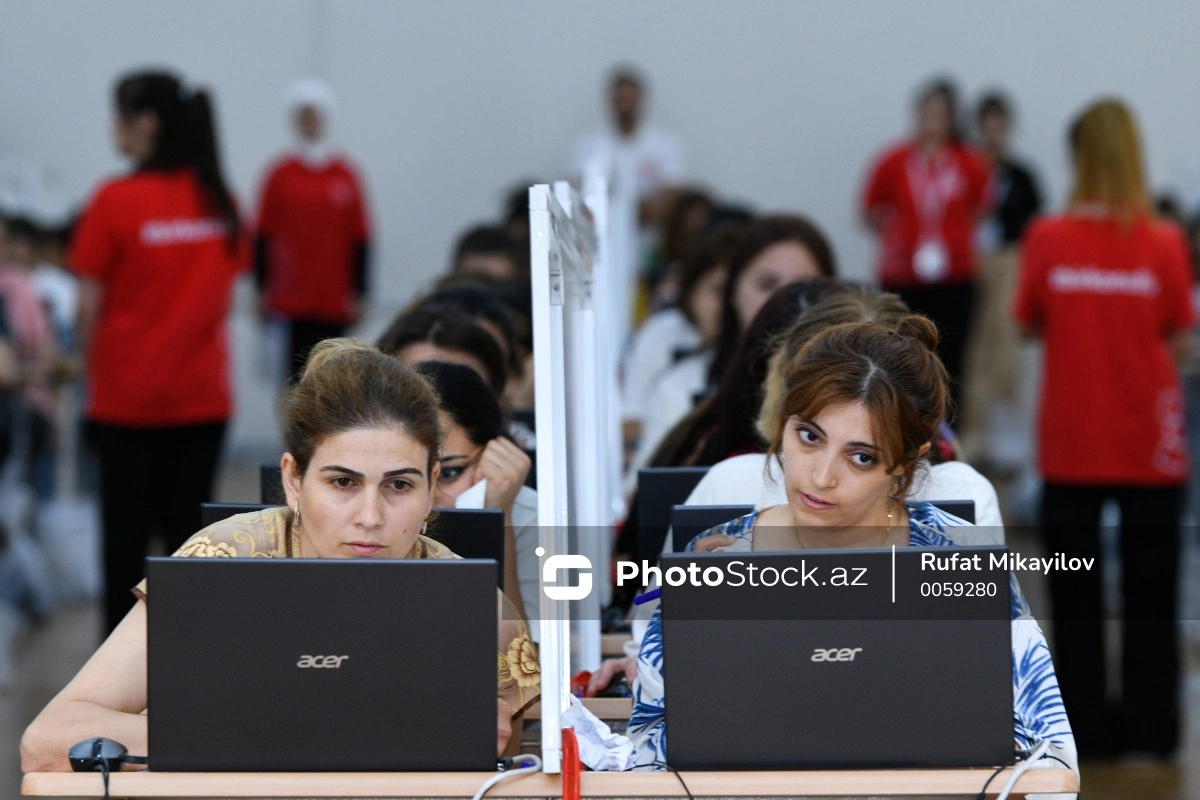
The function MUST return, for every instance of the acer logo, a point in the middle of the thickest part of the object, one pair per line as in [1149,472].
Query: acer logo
[320,662]
[835,654]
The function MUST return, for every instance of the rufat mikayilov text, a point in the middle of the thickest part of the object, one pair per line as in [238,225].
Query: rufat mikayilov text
[1013,562]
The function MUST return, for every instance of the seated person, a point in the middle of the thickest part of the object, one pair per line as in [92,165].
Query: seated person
[475,448]
[362,437]
[860,407]
[441,332]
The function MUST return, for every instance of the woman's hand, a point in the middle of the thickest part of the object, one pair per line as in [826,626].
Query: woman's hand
[611,668]
[710,543]
[505,466]
[503,726]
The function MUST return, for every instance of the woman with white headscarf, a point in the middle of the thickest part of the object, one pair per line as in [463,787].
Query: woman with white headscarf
[313,230]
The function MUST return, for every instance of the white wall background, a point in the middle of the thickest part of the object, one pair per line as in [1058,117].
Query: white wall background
[445,105]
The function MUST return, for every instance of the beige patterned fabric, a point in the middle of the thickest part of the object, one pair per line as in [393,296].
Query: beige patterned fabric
[269,534]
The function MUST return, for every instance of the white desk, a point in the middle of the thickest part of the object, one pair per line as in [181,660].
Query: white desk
[847,783]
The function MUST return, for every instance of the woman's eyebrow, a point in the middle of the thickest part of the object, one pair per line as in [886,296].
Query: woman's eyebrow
[395,473]
[867,445]
[454,457]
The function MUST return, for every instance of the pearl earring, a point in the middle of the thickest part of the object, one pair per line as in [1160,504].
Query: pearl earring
[297,513]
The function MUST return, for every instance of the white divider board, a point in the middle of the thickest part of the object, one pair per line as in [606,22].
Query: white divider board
[572,385]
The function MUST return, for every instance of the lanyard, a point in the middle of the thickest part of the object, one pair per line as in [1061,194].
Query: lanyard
[932,183]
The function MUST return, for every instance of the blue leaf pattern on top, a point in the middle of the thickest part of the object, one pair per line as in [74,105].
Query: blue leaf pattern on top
[1038,711]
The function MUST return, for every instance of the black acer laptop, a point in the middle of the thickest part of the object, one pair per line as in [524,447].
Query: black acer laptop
[832,673]
[259,665]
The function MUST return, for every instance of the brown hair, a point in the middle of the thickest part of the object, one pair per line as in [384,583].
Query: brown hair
[347,384]
[852,304]
[1108,160]
[894,372]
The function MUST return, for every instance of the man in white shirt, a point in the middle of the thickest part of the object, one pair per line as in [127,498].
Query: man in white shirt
[639,158]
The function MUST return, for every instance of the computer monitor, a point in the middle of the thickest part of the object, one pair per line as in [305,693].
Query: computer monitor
[270,484]
[659,490]
[688,522]
[303,665]
[823,675]
[471,533]
[963,509]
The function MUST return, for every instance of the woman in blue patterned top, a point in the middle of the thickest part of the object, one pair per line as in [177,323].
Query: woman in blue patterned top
[859,411]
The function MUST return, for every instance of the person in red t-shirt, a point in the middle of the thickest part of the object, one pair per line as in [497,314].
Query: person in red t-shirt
[1108,289]
[923,198]
[157,252]
[313,234]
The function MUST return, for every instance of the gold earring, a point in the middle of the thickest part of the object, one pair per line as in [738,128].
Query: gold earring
[424,526]
[297,512]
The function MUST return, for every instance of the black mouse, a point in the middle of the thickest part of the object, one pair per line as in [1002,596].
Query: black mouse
[91,754]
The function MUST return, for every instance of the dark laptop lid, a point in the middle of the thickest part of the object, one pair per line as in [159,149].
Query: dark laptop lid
[824,675]
[315,665]
[660,489]
[688,522]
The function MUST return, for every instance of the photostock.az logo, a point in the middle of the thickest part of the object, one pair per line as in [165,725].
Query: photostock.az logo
[556,564]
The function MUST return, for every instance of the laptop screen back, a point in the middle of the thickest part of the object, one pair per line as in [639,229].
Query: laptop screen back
[832,673]
[314,665]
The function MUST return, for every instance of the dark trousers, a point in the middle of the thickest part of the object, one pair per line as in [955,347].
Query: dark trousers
[151,480]
[1146,718]
[950,307]
[303,334]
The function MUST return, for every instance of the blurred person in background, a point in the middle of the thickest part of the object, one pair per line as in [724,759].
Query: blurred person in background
[679,331]
[314,239]
[992,402]
[772,252]
[924,198]
[684,223]
[157,252]
[488,252]
[1107,287]
[442,332]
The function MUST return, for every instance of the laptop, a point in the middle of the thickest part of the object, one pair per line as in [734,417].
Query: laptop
[303,665]
[688,522]
[659,489]
[825,676]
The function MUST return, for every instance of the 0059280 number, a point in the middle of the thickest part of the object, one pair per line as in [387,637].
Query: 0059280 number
[958,589]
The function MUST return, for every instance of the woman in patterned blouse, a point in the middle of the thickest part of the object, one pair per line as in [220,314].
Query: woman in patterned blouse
[363,439]
[860,408]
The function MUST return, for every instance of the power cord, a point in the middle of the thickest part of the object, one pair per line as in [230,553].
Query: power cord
[535,765]
[675,772]
[1027,757]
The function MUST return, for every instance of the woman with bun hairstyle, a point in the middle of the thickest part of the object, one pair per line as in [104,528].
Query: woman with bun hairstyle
[858,416]
[157,252]
[362,438]
[1107,287]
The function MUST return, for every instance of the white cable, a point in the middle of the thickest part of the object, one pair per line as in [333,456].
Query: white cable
[512,773]
[1023,767]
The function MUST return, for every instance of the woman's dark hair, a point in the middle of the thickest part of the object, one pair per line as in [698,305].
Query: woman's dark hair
[724,423]
[347,384]
[186,137]
[447,327]
[480,302]
[678,241]
[469,401]
[713,251]
[948,92]
[993,103]
[756,238]
[894,372]
[484,240]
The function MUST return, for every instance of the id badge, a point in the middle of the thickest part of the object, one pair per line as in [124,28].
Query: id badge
[931,262]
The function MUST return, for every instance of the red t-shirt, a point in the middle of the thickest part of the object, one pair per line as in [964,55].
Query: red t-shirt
[313,219]
[158,355]
[1106,298]
[923,200]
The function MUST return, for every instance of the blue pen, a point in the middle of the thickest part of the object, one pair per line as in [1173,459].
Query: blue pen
[653,594]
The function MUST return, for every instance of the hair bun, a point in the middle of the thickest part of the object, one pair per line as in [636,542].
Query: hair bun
[920,328]
[329,349]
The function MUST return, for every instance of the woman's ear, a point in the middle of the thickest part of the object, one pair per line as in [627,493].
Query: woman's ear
[924,449]
[290,472]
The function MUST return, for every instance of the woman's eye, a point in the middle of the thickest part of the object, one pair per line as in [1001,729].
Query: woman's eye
[342,482]
[862,459]
[807,436]
[450,474]
[400,486]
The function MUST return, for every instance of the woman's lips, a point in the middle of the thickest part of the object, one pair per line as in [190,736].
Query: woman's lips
[364,548]
[815,503]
